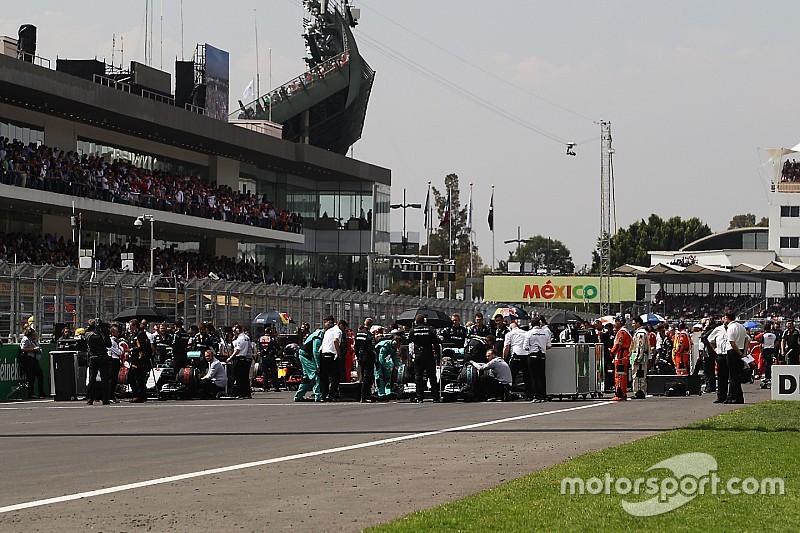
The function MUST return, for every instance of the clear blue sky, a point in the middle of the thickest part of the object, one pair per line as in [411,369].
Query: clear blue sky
[692,90]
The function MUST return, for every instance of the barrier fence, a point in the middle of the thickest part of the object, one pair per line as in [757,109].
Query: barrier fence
[54,295]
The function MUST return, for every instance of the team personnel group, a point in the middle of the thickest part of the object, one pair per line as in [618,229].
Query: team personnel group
[502,353]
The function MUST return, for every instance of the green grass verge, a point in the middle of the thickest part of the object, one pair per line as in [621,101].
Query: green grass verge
[759,441]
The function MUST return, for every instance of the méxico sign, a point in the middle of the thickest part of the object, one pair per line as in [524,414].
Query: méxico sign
[569,289]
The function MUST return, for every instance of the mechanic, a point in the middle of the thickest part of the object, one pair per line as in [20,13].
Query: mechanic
[621,352]
[141,362]
[515,351]
[495,378]
[386,360]
[215,380]
[330,351]
[242,358]
[365,353]
[640,357]
[539,339]
[426,349]
[309,361]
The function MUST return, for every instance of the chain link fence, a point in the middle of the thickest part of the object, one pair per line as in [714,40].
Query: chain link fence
[54,295]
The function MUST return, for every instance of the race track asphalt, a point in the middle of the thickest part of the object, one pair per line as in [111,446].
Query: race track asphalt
[64,449]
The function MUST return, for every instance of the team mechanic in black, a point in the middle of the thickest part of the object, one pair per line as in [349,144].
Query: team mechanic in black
[365,352]
[454,336]
[98,342]
[426,350]
[141,361]
[180,346]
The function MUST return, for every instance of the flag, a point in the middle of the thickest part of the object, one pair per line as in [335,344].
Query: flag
[249,93]
[446,214]
[469,211]
[427,208]
[491,213]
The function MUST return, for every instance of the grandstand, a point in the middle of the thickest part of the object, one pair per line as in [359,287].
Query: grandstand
[89,148]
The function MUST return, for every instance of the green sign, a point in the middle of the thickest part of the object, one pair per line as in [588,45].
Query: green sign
[10,371]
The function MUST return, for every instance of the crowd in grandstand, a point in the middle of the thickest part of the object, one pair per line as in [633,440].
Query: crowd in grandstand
[696,306]
[118,181]
[168,262]
[790,171]
[782,307]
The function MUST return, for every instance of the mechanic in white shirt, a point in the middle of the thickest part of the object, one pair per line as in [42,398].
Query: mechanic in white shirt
[330,350]
[515,352]
[539,340]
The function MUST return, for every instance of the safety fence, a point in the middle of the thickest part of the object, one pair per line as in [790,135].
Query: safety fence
[54,295]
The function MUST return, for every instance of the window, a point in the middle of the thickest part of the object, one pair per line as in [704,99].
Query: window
[790,211]
[790,242]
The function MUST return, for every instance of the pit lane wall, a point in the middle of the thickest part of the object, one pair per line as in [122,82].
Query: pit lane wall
[10,371]
[556,289]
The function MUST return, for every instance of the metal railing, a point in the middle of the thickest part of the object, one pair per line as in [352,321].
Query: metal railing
[112,83]
[158,97]
[55,295]
[195,109]
[33,58]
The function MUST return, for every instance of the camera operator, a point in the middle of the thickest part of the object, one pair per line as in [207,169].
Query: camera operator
[215,379]
[98,342]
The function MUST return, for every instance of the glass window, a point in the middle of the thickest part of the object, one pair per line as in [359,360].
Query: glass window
[141,160]
[24,134]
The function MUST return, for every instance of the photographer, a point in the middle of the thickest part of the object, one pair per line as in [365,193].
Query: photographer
[98,342]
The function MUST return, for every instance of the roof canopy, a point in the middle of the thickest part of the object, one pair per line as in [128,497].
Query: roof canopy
[744,272]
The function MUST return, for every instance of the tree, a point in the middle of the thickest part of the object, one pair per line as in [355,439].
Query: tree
[544,252]
[747,221]
[632,244]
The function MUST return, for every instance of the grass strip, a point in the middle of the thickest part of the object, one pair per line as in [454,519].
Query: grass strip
[761,441]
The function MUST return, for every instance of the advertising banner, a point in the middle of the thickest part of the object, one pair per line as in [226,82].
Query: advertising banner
[10,372]
[560,289]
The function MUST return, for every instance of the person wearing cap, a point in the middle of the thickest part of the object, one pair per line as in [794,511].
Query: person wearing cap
[215,379]
[640,357]
[681,350]
[621,352]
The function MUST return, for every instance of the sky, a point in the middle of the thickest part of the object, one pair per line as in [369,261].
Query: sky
[692,89]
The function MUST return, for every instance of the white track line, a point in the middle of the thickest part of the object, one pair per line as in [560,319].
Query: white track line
[242,466]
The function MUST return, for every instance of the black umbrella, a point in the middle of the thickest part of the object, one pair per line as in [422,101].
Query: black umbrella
[141,312]
[564,317]
[276,318]
[433,317]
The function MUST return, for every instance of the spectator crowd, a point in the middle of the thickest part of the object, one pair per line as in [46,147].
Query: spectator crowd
[168,262]
[790,171]
[118,181]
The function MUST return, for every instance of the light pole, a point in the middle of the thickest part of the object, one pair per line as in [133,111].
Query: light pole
[405,206]
[138,224]
[519,242]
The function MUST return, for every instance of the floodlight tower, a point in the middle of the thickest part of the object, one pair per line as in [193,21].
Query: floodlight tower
[606,214]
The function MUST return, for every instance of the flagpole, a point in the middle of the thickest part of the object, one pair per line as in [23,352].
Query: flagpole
[258,76]
[469,214]
[450,226]
[492,208]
